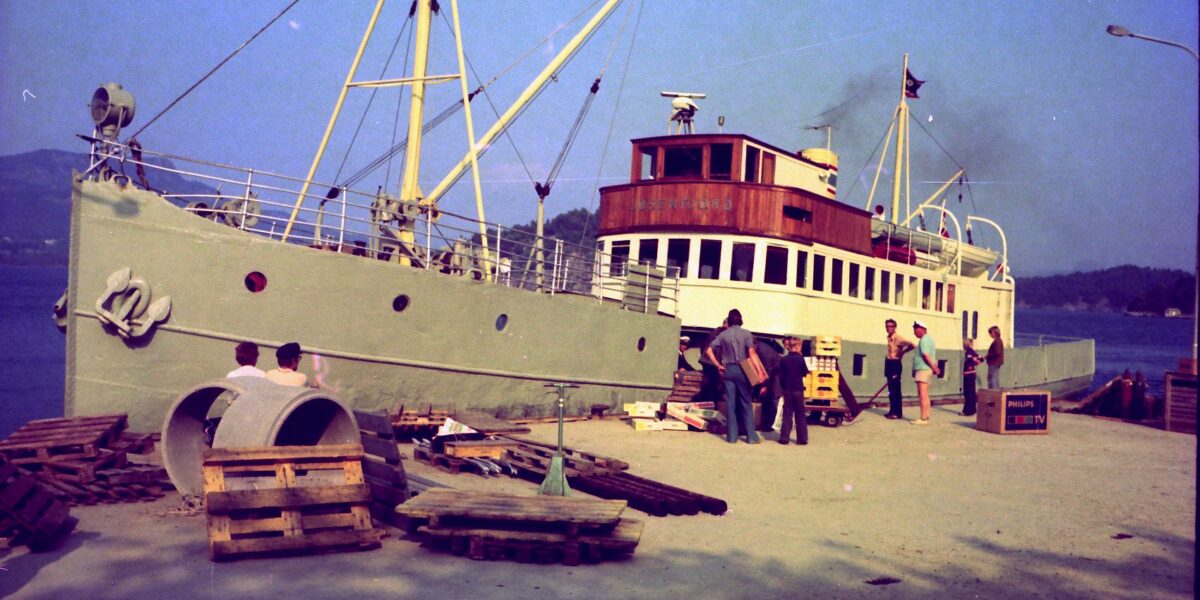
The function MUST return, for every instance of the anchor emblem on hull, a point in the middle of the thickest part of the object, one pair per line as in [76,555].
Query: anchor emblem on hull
[126,305]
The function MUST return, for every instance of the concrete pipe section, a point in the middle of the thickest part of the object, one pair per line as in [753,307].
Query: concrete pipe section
[260,413]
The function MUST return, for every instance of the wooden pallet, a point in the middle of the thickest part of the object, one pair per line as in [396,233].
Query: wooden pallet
[442,462]
[42,440]
[286,499]
[100,492]
[458,508]
[81,470]
[538,546]
[494,449]
[29,511]
[383,470]
[597,461]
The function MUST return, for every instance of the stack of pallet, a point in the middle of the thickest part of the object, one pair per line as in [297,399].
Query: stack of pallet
[286,500]
[84,460]
[29,514]
[687,386]
[382,470]
[422,422]
[523,528]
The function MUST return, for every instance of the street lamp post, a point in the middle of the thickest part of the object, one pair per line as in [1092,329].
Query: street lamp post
[1118,31]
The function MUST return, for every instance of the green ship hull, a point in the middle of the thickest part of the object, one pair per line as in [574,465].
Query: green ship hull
[454,342]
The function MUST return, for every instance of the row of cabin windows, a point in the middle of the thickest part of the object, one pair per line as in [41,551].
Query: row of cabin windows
[845,278]
[687,162]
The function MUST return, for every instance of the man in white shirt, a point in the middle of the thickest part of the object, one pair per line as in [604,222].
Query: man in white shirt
[246,355]
[288,356]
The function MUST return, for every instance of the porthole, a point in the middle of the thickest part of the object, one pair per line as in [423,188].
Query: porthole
[501,322]
[641,344]
[256,282]
[399,303]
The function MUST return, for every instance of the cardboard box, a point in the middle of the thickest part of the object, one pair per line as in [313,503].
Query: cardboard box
[646,424]
[643,409]
[755,406]
[692,413]
[1016,411]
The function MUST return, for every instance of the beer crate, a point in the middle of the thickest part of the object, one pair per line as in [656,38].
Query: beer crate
[827,345]
[1016,411]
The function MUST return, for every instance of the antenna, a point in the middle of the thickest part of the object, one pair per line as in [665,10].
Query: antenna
[682,110]
[828,134]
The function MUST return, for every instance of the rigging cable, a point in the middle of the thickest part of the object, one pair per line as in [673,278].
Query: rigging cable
[214,70]
[952,159]
[543,190]
[612,122]
[854,182]
[371,101]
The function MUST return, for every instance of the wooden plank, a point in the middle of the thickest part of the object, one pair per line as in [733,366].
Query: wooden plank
[315,541]
[628,532]
[377,422]
[215,456]
[383,472]
[437,503]
[15,492]
[385,449]
[385,493]
[224,502]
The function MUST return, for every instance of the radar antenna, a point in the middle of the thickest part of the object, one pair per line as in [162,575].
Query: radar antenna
[683,109]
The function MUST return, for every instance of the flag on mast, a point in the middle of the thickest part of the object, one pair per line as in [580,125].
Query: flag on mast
[911,85]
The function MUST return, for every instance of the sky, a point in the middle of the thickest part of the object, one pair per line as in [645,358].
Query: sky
[1083,146]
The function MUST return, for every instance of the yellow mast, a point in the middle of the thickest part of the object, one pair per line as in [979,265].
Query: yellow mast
[410,187]
[337,109]
[901,142]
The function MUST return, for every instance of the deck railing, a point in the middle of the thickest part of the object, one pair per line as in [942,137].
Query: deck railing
[375,226]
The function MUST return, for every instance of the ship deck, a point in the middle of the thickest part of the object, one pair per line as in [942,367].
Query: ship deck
[944,509]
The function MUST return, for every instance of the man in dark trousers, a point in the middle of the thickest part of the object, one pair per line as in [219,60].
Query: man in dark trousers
[995,358]
[711,389]
[893,368]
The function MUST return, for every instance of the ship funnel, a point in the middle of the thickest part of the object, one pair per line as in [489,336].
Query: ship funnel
[112,108]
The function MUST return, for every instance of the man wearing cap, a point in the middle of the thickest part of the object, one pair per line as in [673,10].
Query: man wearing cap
[288,356]
[924,368]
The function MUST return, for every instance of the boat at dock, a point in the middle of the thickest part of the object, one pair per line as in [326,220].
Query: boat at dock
[394,300]
[741,223]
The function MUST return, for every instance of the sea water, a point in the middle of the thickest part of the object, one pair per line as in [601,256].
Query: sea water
[32,350]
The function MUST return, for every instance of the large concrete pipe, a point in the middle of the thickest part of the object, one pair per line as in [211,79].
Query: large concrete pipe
[261,413]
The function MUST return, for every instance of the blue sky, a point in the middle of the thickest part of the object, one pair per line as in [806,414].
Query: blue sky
[1082,145]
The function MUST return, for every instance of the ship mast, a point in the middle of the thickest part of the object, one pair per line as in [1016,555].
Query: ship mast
[901,142]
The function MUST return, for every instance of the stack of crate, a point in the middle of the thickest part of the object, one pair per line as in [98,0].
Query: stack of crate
[821,383]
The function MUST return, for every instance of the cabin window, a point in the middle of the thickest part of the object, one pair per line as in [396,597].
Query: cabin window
[914,293]
[648,252]
[677,255]
[860,364]
[801,269]
[751,174]
[941,369]
[682,161]
[720,161]
[620,256]
[869,284]
[835,286]
[965,330]
[885,285]
[649,162]
[938,297]
[975,324]
[710,259]
[776,271]
[950,298]
[742,267]
[768,168]
[818,284]
[925,296]
[797,213]
[853,280]
[899,298]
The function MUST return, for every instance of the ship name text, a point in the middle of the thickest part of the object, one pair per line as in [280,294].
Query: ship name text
[725,204]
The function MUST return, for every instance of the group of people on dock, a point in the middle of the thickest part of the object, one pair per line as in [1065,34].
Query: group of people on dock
[739,368]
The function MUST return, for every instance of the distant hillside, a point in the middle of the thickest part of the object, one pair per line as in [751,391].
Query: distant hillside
[35,203]
[1123,288]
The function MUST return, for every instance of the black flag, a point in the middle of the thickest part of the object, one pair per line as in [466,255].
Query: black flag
[911,84]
